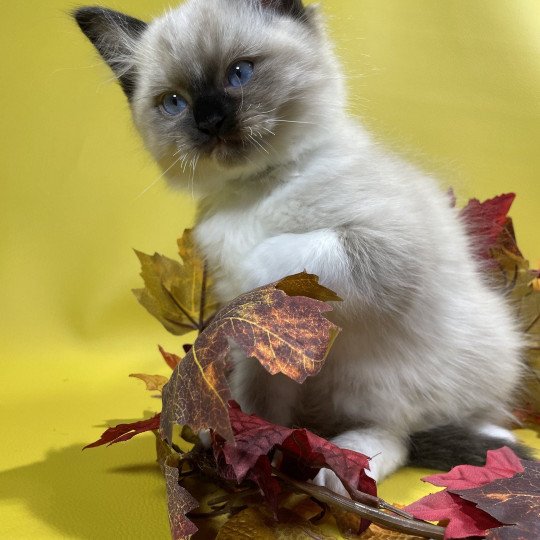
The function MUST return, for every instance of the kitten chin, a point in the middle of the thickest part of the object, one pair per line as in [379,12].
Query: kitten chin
[210,173]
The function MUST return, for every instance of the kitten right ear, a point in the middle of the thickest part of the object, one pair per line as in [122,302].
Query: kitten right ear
[114,35]
[295,8]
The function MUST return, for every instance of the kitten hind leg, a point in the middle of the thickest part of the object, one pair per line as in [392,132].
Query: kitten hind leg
[387,452]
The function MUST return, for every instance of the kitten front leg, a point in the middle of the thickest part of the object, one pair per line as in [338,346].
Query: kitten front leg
[272,397]
[387,452]
[319,252]
[368,270]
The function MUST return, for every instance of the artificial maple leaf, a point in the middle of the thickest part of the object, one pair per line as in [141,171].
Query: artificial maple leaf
[495,242]
[527,415]
[172,360]
[286,334]
[486,220]
[124,432]
[153,382]
[512,274]
[303,455]
[513,501]
[259,524]
[179,502]
[298,285]
[502,463]
[378,533]
[178,294]
[465,519]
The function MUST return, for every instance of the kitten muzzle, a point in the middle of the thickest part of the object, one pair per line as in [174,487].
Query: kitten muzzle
[215,115]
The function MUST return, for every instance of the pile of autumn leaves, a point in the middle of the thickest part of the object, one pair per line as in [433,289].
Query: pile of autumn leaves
[257,473]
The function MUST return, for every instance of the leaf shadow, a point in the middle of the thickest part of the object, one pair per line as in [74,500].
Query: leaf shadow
[75,494]
[115,421]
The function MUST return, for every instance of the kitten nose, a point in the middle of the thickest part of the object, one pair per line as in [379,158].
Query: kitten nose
[212,125]
[214,114]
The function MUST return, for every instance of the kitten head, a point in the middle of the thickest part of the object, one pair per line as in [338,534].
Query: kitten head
[222,90]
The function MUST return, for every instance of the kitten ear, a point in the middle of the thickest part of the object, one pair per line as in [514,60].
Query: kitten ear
[294,8]
[114,35]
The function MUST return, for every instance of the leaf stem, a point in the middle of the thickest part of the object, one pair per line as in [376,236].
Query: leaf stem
[179,306]
[202,304]
[394,523]
[535,320]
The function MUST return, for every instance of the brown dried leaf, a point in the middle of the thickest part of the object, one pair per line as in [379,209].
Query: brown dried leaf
[512,274]
[179,501]
[178,294]
[298,285]
[163,451]
[287,334]
[153,382]
[378,533]
[259,524]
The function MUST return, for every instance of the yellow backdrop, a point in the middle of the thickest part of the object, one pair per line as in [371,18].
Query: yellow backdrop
[453,85]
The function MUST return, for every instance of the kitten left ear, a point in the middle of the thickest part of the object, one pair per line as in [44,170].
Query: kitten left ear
[295,8]
[113,34]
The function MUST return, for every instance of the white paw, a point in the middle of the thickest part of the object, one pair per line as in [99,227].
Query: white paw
[205,438]
[328,479]
[497,432]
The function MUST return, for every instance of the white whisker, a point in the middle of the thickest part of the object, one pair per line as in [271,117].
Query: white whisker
[156,180]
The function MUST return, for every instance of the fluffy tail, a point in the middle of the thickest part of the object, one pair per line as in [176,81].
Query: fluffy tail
[445,447]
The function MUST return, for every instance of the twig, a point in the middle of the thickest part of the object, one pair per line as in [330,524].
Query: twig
[376,502]
[394,523]
[239,494]
[214,513]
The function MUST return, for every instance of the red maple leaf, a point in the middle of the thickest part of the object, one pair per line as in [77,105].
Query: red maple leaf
[465,519]
[303,455]
[172,360]
[124,432]
[486,221]
[513,501]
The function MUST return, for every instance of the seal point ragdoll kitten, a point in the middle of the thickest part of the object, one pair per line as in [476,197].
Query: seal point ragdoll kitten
[242,102]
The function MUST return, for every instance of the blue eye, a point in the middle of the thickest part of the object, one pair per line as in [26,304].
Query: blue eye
[173,104]
[240,73]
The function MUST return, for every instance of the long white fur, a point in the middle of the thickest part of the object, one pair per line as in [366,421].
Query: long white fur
[425,341]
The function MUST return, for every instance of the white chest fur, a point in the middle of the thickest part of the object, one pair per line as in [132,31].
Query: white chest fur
[226,238]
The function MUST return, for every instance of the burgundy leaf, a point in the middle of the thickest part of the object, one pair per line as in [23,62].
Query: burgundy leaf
[179,502]
[513,501]
[304,454]
[465,519]
[486,221]
[124,432]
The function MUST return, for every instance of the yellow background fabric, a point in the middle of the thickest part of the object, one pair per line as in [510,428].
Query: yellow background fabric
[453,85]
